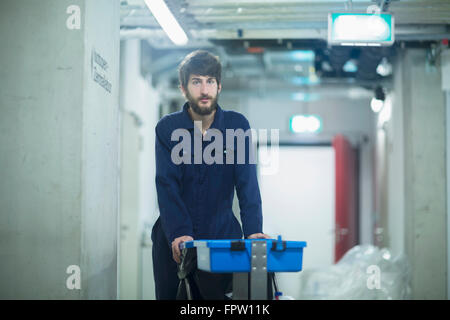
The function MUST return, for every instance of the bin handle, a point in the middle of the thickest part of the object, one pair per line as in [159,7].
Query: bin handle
[237,246]
[278,245]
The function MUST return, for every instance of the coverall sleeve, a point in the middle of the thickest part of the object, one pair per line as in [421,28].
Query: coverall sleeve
[247,190]
[175,218]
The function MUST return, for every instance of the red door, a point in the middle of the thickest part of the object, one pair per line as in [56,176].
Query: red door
[346,193]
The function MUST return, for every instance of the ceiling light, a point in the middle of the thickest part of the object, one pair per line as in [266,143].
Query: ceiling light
[167,21]
[326,66]
[376,105]
[350,66]
[377,102]
[384,69]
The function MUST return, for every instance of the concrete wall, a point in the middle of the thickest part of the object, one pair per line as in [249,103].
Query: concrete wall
[448,185]
[445,73]
[395,154]
[417,196]
[425,196]
[100,152]
[58,150]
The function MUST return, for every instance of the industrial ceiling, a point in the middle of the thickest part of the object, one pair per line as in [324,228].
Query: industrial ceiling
[254,37]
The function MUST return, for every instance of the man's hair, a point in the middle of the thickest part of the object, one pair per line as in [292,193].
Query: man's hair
[199,62]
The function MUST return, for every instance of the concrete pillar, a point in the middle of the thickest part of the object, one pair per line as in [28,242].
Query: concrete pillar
[395,153]
[425,179]
[139,110]
[445,73]
[59,149]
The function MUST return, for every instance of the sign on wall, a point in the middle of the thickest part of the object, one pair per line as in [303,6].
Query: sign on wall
[99,70]
[360,29]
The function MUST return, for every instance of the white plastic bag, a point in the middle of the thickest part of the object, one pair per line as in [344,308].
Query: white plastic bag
[365,272]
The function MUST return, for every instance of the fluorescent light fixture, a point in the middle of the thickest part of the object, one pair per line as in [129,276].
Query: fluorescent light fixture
[305,124]
[360,29]
[167,21]
[298,68]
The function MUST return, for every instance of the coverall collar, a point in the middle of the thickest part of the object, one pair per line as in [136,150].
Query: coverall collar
[218,122]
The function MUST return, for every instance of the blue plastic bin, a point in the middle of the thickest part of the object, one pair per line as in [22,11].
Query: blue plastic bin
[225,256]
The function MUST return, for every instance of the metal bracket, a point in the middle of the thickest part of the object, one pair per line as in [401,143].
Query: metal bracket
[253,285]
[258,274]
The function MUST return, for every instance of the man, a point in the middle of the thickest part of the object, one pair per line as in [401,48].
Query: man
[195,199]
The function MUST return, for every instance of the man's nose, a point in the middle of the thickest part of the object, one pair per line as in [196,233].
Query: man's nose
[204,88]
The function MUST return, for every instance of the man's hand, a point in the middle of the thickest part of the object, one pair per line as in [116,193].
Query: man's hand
[176,247]
[258,236]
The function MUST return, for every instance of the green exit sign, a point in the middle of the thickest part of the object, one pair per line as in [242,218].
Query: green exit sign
[361,29]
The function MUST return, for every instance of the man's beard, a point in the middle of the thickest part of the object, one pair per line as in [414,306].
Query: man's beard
[203,111]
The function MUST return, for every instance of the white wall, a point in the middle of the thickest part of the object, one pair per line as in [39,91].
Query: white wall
[298,203]
[139,110]
[342,114]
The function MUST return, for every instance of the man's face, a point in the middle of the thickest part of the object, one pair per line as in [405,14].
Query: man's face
[202,93]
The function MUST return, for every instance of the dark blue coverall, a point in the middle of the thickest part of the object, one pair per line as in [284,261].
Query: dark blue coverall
[196,199]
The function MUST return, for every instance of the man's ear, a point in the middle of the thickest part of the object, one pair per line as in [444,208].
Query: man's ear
[183,91]
[219,88]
